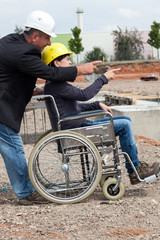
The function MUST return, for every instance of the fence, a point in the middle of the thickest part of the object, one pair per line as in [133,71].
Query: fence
[35,122]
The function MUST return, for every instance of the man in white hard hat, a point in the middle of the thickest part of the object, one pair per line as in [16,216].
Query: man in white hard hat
[20,66]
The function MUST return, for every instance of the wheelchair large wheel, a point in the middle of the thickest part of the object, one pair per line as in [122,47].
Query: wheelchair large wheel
[108,192]
[44,134]
[65,167]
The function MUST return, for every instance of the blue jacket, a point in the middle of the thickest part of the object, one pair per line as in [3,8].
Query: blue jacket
[20,66]
[67,97]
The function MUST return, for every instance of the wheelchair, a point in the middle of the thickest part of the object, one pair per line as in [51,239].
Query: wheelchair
[66,166]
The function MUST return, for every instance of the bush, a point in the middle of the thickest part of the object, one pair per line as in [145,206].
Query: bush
[95,54]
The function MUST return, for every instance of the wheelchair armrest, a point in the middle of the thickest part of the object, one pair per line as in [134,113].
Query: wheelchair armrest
[42,96]
[76,116]
[86,115]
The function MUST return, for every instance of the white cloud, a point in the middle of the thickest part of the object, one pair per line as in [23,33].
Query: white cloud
[128,13]
[157,11]
[102,16]
[8,1]
[108,28]
[4,1]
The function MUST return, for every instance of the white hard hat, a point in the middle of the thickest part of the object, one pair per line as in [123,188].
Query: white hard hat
[41,21]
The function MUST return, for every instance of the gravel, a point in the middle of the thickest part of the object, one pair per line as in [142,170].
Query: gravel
[135,216]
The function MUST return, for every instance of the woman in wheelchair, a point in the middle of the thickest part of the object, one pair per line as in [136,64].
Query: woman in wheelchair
[67,97]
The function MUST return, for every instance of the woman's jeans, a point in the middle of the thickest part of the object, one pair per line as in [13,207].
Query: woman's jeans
[11,149]
[123,128]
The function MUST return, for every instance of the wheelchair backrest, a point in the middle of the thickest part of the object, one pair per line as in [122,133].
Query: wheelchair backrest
[52,112]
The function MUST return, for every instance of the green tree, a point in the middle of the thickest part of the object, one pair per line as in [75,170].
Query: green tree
[128,44]
[75,43]
[18,29]
[95,54]
[154,36]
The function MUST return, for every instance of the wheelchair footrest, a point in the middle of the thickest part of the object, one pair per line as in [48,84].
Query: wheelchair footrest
[150,178]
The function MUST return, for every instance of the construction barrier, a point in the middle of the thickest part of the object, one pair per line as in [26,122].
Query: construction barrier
[112,100]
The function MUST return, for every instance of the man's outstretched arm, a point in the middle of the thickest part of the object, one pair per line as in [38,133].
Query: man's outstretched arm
[87,68]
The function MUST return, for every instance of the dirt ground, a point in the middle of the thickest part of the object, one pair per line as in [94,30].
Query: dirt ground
[135,216]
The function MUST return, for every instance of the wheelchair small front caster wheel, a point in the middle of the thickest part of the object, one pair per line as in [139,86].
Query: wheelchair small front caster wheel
[108,192]
[104,178]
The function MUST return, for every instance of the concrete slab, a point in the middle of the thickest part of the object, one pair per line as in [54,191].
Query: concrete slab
[145,119]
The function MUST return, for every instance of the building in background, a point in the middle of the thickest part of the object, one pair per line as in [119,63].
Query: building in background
[103,40]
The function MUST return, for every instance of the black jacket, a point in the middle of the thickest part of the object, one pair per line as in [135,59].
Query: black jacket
[67,97]
[20,66]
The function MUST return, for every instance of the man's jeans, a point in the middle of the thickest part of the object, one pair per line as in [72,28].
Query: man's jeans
[123,128]
[11,149]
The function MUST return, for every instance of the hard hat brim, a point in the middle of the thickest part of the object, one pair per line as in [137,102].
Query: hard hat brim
[27,28]
[53,35]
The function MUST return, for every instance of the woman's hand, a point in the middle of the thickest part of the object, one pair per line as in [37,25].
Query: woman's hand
[105,107]
[110,74]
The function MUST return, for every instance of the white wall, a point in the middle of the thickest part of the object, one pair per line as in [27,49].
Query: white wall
[103,40]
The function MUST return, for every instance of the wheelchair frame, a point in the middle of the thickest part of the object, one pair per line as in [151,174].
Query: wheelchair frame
[66,166]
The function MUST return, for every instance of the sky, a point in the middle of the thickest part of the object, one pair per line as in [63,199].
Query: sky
[98,15]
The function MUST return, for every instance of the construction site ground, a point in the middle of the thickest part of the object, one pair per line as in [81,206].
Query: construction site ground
[136,216]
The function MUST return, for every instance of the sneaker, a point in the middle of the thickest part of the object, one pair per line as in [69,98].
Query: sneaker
[144,170]
[35,198]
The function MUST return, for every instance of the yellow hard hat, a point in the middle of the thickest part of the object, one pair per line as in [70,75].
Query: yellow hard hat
[54,51]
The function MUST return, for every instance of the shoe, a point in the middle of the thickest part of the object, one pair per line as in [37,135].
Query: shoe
[35,198]
[144,170]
